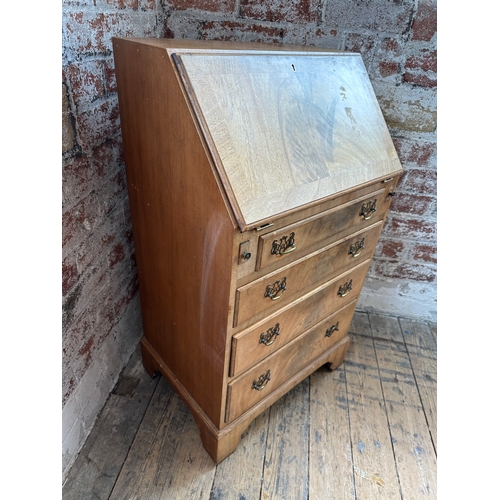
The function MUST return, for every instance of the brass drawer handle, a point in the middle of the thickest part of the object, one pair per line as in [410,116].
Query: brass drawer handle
[368,209]
[276,290]
[355,248]
[268,338]
[286,244]
[333,328]
[345,288]
[262,381]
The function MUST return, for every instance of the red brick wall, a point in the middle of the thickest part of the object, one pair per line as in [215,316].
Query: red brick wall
[100,313]
[101,316]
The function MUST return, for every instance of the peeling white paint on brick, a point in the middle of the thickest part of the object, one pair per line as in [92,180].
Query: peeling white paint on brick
[85,403]
[397,298]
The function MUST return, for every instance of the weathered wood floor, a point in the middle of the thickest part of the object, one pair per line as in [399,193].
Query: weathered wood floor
[366,430]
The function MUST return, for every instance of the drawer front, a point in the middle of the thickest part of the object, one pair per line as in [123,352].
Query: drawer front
[284,244]
[256,343]
[282,287]
[261,380]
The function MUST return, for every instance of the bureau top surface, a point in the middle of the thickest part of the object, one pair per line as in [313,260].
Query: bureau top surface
[286,128]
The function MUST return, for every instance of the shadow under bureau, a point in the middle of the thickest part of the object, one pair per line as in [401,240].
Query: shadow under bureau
[259,178]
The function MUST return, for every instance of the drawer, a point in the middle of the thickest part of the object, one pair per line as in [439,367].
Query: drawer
[257,342]
[325,227]
[275,290]
[261,380]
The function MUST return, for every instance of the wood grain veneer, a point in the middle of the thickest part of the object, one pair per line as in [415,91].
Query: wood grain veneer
[315,118]
[248,347]
[181,255]
[301,277]
[229,147]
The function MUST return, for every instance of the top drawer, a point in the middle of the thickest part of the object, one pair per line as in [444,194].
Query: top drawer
[290,241]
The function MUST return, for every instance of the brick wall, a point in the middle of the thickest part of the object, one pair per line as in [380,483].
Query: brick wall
[101,311]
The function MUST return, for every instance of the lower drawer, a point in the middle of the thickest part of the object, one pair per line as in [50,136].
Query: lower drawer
[259,341]
[268,375]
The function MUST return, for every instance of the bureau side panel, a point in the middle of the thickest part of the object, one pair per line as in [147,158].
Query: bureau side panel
[182,229]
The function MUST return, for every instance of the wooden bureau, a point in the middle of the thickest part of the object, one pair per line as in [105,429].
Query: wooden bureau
[259,179]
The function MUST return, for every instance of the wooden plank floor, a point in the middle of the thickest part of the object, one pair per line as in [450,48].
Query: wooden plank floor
[366,430]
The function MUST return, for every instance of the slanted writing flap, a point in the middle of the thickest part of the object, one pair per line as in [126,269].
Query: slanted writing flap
[287,130]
